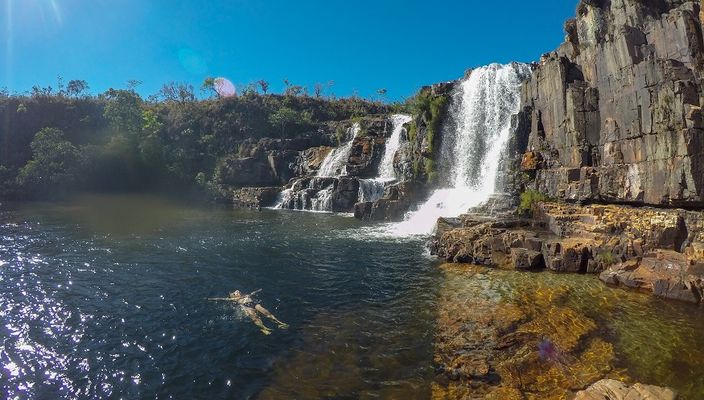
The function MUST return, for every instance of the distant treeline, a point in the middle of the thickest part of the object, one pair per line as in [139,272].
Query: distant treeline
[57,142]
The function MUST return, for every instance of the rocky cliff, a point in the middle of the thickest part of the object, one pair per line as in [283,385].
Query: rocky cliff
[612,119]
[614,114]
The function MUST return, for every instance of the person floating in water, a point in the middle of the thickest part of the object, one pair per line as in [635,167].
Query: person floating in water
[251,308]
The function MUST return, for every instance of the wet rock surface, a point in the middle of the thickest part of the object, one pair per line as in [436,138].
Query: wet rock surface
[254,197]
[322,194]
[397,199]
[656,250]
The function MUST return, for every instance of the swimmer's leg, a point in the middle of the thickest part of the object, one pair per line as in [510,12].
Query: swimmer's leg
[257,321]
[271,316]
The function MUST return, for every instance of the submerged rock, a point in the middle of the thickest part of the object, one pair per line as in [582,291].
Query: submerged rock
[610,389]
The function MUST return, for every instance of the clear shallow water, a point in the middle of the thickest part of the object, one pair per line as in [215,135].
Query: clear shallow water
[105,297]
[655,342]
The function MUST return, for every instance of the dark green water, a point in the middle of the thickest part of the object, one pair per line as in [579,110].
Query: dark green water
[104,297]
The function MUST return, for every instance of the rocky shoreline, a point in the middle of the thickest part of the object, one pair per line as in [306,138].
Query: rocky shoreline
[660,251]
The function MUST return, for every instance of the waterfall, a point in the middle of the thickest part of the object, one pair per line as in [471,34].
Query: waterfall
[317,194]
[373,189]
[481,107]
[386,168]
[310,198]
[370,190]
[335,163]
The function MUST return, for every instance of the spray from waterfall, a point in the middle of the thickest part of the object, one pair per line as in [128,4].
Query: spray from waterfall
[482,106]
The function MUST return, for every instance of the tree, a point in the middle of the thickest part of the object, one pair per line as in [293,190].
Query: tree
[249,89]
[292,90]
[287,117]
[123,110]
[330,85]
[38,91]
[177,92]
[132,84]
[264,85]
[76,88]
[318,90]
[56,164]
[150,145]
[60,85]
[208,86]
[382,94]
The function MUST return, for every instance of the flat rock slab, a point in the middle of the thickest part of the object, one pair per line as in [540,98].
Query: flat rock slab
[610,389]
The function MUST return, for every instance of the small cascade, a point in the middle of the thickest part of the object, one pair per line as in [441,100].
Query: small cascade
[481,106]
[335,164]
[386,168]
[373,189]
[314,194]
[317,193]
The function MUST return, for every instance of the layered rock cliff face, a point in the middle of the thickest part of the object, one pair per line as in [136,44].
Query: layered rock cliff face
[614,114]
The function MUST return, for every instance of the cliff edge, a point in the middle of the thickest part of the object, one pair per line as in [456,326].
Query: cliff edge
[615,113]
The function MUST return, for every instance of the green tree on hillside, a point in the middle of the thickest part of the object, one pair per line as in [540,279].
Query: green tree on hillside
[264,86]
[55,166]
[208,87]
[76,88]
[286,117]
[123,110]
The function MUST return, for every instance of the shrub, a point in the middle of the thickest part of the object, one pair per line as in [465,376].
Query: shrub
[607,258]
[528,199]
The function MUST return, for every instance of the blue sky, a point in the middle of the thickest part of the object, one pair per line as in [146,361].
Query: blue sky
[361,45]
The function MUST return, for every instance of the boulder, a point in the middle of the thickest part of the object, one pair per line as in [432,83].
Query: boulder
[254,197]
[665,273]
[524,259]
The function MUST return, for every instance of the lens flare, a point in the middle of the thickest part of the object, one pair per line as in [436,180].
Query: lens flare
[224,87]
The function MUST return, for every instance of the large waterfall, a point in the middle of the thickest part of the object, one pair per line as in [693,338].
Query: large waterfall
[373,189]
[481,107]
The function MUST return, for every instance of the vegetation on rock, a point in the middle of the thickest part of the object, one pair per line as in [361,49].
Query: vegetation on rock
[56,142]
[528,199]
